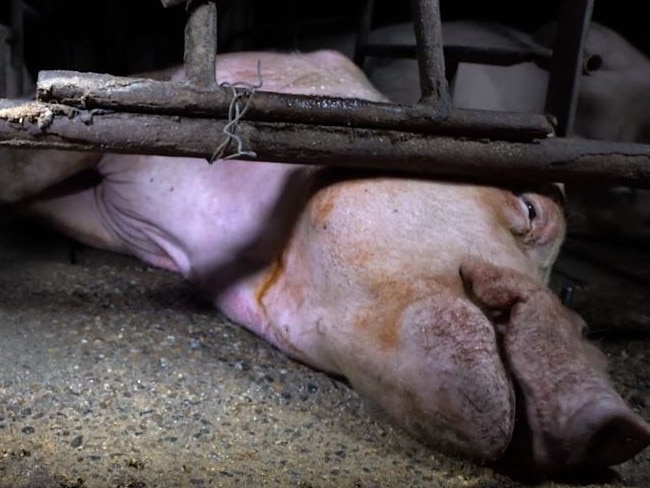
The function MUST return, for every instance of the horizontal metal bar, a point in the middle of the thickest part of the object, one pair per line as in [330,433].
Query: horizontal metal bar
[95,91]
[551,159]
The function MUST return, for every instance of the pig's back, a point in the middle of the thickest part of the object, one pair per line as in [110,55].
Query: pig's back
[324,72]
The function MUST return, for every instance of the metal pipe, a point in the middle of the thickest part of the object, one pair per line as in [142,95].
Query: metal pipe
[17,46]
[431,62]
[550,159]
[4,60]
[95,91]
[363,33]
[201,43]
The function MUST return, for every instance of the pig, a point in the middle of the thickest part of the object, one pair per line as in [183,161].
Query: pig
[429,296]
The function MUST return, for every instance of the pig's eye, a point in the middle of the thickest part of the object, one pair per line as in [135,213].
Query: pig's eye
[530,208]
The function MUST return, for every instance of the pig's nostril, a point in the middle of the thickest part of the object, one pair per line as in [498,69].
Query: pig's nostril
[617,440]
[605,434]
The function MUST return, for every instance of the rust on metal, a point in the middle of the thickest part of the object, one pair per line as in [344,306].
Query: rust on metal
[431,63]
[92,112]
[201,43]
[548,159]
[106,92]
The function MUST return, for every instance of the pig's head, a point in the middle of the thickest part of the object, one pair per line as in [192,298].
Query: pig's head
[430,298]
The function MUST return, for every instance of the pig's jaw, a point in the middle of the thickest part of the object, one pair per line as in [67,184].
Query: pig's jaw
[440,377]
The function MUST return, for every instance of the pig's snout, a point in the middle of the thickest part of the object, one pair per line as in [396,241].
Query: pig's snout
[573,417]
[576,419]
[603,432]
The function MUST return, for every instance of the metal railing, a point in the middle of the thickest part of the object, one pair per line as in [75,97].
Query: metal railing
[88,111]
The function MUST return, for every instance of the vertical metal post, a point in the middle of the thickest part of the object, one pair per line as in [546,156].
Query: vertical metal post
[566,65]
[363,33]
[431,62]
[17,51]
[201,43]
[4,59]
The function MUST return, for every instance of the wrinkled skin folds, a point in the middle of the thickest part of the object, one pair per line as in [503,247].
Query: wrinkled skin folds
[398,283]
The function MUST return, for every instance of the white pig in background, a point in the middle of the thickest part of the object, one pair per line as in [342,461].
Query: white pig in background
[613,103]
[429,296]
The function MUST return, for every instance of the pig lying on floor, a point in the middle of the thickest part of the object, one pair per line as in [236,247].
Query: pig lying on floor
[430,297]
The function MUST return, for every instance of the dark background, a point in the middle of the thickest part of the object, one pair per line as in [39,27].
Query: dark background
[127,36]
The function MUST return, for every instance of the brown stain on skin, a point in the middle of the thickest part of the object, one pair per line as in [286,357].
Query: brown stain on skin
[389,332]
[331,185]
[322,206]
[270,278]
[382,320]
[501,206]
[361,257]
[382,327]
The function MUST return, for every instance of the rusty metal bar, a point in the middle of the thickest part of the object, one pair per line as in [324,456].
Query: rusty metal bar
[431,62]
[566,67]
[550,159]
[201,43]
[94,91]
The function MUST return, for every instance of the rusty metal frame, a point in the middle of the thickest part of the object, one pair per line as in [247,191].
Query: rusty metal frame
[95,112]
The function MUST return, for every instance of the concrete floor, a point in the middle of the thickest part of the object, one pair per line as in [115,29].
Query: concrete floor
[113,374]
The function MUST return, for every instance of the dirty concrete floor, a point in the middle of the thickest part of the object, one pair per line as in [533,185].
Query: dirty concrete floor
[114,374]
